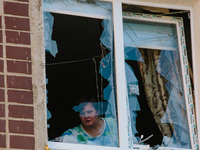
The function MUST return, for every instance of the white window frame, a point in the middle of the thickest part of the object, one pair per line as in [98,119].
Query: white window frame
[184,65]
[121,92]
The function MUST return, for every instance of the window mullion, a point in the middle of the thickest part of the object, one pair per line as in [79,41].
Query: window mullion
[120,74]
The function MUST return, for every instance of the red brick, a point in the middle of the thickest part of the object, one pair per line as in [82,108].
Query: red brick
[16,9]
[2,110]
[17,23]
[23,97]
[2,125]
[18,37]
[2,95]
[24,127]
[0,22]
[19,82]
[3,141]
[1,36]
[16,111]
[1,65]
[1,51]
[1,81]
[22,142]
[18,67]
[18,52]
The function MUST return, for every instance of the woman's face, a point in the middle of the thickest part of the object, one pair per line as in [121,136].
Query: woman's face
[89,115]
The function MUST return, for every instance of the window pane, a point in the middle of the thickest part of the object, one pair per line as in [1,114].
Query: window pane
[156,100]
[81,100]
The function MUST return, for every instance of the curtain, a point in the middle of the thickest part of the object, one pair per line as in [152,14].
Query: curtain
[157,95]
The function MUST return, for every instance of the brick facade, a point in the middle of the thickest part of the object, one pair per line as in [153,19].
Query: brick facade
[16,88]
[22,82]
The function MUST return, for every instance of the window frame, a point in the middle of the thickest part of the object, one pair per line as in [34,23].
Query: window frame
[121,92]
[178,21]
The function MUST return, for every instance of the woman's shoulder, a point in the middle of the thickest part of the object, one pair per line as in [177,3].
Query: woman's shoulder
[74,131]
[111,120]
[75,135]
[111,124]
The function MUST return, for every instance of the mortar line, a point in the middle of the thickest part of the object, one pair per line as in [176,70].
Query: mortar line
[5,76]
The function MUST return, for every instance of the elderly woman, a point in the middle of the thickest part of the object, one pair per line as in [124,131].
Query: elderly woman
[93,129]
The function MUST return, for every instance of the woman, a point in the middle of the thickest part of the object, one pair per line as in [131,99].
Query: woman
[93,129]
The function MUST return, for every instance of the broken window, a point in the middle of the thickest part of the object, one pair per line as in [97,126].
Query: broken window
[156,67]
[79,65]
[82,77]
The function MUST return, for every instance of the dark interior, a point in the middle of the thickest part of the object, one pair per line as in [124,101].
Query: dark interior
[72,73]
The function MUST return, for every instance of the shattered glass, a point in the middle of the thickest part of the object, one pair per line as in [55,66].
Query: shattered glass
[155,96]
[156,99]
[103,71]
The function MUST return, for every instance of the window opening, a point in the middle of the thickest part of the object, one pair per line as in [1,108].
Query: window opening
[79,67]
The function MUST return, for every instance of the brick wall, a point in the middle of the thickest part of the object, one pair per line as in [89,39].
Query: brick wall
[16,90]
